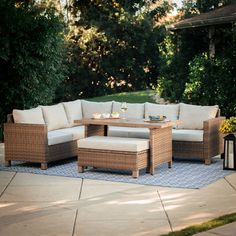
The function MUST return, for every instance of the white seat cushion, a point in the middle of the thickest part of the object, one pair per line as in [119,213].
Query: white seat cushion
[31,116]
[114,143]
[73,111]
[55,117]
[77,132]
[135,110]
[129,132]
[187,135]
[89,108]
[58,136]
[193,116]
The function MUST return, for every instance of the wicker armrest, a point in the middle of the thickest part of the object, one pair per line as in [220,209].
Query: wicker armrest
[25,134]
[212,138]
[26,142]
[212,126]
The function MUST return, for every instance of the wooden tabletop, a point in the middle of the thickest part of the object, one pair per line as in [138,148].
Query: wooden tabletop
[127,123]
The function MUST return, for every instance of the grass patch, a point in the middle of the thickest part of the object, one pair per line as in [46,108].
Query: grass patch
[131,97]
[226,219]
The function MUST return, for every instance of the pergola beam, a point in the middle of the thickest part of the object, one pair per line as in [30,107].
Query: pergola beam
[222,15]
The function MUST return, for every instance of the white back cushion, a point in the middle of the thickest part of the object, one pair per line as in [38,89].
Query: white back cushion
[89,108]
[171,111]
[135,110]
[73,111]
[55,117]
[30,116]
[129,132]
[193,116]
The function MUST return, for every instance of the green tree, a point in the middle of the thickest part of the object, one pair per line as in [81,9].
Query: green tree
[114,46]
[212,81]
[181,75]
[31,55]
[181,48]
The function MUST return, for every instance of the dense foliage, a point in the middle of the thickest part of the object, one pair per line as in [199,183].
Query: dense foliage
[31,55]
[187,72]
[113,46]
[176,52]
[212,81]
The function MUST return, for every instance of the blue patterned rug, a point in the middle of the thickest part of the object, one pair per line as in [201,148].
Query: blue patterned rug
[183,174]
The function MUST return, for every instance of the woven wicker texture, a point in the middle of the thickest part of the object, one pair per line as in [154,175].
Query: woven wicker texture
[113,159]
[160,137]
[211,146]
[161,147]
[28,142]
[95,130]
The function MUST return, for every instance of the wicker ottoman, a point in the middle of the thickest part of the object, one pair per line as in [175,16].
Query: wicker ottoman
[114,153]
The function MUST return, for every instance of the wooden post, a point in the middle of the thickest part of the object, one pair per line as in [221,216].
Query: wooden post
[212,41]
[179,42]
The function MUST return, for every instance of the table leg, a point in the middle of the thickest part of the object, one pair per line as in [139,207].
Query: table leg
[160,147]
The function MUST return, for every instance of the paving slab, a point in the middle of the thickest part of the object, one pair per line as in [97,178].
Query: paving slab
[232,179]
[5,178]
[188,207]
[138,203]
[133,227]
[132,211]
[29,219]
[27,179]
[225,230]
[30,187]
[96,188]
[40,193]
[205,234]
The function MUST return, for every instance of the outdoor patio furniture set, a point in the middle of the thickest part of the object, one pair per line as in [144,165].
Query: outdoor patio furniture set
[49,133]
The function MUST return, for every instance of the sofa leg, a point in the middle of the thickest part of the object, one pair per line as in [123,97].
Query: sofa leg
[44,166]
[80,169]
[169,164]
[135,173]
[7,163]
[207,161]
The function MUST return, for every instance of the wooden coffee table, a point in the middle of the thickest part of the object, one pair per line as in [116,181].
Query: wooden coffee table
[160,136]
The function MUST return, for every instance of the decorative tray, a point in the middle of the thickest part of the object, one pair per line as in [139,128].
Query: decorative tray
[156,121]
[102,118]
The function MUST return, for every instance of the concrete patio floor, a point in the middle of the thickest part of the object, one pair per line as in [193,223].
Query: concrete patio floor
[47,205]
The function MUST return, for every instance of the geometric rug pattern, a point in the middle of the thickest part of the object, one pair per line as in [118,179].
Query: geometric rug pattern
[183,174]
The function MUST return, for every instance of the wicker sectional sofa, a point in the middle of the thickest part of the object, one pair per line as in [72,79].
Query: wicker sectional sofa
[48,133]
